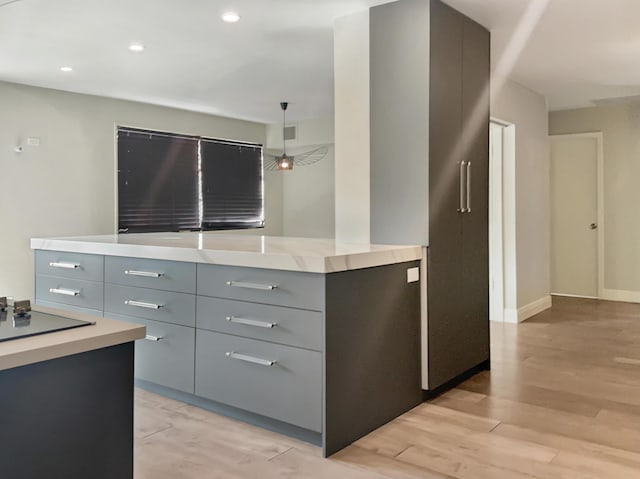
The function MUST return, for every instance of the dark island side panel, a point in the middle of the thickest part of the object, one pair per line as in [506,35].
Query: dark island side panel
[69,418]
[372,350]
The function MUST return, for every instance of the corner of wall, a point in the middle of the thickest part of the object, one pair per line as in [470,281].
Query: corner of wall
[533,308]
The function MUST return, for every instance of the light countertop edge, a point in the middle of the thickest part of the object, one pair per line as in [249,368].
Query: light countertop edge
[289,254]
[43,347]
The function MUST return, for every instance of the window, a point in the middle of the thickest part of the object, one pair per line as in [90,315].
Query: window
[170,182]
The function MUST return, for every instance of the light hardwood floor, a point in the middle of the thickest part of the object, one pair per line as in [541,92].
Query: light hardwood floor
[562,401]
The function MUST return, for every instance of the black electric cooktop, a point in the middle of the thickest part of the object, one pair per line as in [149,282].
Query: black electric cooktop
[33,323]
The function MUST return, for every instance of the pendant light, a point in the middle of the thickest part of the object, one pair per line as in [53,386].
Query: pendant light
[284,162]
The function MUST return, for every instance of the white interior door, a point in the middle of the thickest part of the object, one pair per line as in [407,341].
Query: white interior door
[574,215]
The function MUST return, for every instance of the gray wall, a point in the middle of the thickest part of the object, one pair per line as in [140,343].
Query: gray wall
[527,109]
[308,192]
[351,82]
[400,148]
[620,127]
[66,186]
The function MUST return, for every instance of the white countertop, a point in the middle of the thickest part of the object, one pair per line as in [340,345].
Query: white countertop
[271,252]
[34,349]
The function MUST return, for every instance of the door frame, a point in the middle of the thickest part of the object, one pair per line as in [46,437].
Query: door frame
[504,177]
[496,227]
[598,136]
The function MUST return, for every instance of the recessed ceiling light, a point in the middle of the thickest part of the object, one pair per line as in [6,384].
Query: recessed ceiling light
[230,17]
[66,69]
[136,47]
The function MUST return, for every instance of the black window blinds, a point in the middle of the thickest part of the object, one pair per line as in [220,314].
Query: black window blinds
[169,182]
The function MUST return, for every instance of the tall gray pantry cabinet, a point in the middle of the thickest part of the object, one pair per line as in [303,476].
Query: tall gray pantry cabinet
[429,87]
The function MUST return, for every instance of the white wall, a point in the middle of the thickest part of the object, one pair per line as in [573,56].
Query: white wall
[620,127]
[66,186]
[514,103]
[308,193]
[351,85]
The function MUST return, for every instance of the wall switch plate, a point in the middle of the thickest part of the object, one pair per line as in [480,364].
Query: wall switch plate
[413,275]
[33,141]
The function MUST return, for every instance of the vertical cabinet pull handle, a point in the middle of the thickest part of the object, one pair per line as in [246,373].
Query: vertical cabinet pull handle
[462,208]
[250,359]
[469,187]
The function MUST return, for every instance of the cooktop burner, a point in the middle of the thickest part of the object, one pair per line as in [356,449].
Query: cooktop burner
[18,321]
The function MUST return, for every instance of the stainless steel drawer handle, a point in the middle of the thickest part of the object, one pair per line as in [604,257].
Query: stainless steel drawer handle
[141,304]
[57,264]
[250,322]
[64,292]
[144,274]
[241,284]
[250,359]
[149,337]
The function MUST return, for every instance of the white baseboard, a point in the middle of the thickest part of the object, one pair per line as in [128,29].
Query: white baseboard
[621,295]
[574,296]
[510,315]
[531,309]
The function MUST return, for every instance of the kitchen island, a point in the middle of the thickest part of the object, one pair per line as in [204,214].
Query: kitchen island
[66,399]
[312,338]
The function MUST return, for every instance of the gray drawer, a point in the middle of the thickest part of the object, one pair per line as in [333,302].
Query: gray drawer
[68,307]
[83,294]
[294,327]
[290,390]
[69,265]
[290,288]
[151,273]
[168,361]
[167,306]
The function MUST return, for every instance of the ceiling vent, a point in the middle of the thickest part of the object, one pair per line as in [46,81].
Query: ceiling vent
[289,132]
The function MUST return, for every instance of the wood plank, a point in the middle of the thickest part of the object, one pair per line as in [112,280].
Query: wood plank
[561,402]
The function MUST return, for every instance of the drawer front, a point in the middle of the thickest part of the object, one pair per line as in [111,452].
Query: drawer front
[294,327]
[290,390]
[166,356]
[268,286]
[83,294]
[166,306]
[151,273]
[68,307]
[82,266]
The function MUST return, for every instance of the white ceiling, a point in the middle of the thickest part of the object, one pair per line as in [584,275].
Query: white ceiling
[572,51]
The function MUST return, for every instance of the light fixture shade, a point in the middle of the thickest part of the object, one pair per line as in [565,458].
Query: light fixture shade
[284,163]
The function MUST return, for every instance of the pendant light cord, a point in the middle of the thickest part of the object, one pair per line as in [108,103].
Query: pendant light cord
[284,140]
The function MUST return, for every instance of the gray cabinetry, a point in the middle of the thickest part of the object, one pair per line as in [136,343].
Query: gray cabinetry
[161,295]
[276,324]
[267,286]
[269,362]
[458,253]
[151,273]
[278,381]
[159,305]
[69,281]
[63,264]
[253,343]
[79,293]
[165,356]
[434,107]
